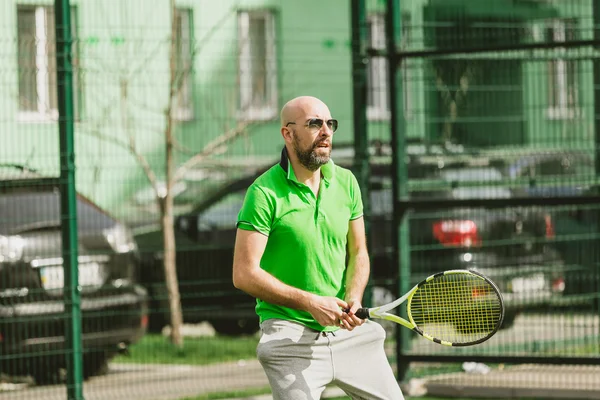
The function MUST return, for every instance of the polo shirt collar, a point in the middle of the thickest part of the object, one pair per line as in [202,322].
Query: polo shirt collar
[328,170]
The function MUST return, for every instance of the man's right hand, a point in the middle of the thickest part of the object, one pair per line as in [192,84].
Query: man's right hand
[327,311]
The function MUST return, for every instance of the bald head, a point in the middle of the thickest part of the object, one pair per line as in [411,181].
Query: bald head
[301,107]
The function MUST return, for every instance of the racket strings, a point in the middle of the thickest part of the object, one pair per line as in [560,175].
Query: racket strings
[458,308]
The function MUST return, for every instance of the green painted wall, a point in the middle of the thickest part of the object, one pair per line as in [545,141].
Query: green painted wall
[123,72]
[574,129]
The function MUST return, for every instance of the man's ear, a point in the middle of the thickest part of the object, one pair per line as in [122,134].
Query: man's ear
[287,134]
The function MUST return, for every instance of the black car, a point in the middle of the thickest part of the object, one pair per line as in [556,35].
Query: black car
[561,173]
[32,319]
[511,246]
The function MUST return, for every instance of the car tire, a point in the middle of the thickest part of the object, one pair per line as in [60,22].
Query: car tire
[234,327]
[50,377]
[94,364]
[46,372]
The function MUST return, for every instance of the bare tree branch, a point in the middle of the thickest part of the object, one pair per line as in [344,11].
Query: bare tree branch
[210,149]
[143,162]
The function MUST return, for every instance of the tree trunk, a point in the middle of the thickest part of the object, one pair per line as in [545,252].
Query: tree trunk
[171,271]
[167,202]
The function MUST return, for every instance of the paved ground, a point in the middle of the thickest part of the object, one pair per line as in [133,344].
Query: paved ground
[156,382]
[167,382]
[173,382]
[527,380]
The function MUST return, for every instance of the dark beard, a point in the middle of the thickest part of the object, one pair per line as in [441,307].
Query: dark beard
[309,158]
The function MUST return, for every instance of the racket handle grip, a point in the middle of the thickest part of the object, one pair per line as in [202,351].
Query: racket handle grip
[362,313]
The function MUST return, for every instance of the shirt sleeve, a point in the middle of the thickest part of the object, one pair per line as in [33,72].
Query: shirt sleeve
[355,196]
[256,213]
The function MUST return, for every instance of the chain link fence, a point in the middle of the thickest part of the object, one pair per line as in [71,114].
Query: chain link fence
[485,156]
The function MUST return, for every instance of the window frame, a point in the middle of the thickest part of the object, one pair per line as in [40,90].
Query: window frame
[562,73]
[379,110]
[247,110]
[378,107]
[43,80]
[185,55]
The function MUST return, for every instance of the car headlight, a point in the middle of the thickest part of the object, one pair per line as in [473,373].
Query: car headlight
[120,239]
[11,248]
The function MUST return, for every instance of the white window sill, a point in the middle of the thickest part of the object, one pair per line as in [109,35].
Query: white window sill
[37,117]
[557,113]
[378,114]
[257,114]
[183,114]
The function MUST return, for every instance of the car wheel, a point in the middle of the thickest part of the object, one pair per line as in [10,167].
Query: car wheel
[94,364]
[233,327]
[46,372]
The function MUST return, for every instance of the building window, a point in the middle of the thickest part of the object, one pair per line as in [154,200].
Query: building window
[562,73]
[37,63]
[257,65]
[377,79]
[378,107]
[183,105]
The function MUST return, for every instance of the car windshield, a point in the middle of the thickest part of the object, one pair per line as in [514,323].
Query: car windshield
[381,197]
[222,214]
[483,175]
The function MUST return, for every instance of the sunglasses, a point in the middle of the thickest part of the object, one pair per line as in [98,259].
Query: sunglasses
[316,124]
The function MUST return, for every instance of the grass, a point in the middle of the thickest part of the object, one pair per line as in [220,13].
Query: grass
[240,394]
[156,349]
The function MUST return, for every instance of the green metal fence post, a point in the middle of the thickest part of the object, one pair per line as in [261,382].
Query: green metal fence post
[596,69]
[359,91]
[68,202]
[399,170]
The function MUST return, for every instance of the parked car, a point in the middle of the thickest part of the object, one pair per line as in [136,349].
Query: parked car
[509,245]
[204,243]
[512,246]
[32,309]
[563,173]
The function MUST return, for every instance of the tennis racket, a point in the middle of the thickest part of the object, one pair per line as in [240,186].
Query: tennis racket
[452,308]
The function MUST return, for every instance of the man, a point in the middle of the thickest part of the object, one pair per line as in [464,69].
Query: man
[301,251]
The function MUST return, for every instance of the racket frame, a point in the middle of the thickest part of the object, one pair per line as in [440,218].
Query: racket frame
[381,312]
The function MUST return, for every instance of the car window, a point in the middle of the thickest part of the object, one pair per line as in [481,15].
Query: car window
[553,167]
[22,211]
[560,166]
[483,175]
[223,213]
[381,194]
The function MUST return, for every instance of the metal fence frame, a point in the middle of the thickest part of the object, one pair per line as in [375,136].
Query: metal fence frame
[402,203]
[360,56]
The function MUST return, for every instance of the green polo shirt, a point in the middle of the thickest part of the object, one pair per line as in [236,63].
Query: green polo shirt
[307,235]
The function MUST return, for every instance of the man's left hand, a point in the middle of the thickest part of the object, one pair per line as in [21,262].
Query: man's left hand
[349,320]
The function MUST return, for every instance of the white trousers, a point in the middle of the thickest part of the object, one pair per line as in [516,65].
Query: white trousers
[299,362]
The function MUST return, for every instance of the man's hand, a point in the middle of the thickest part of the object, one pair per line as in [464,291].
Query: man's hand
[349,320]
[327,311]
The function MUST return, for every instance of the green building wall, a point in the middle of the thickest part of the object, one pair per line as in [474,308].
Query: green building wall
[123,60]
